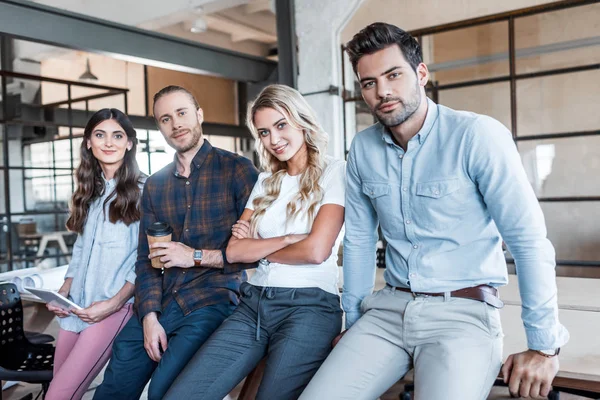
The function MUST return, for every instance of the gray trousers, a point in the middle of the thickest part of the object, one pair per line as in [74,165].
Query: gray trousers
[292,327]
[454,345]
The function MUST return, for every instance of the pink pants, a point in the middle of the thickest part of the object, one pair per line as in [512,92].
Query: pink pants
[80,357]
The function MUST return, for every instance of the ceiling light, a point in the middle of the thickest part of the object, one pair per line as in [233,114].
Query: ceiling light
[198,26]
[87,74]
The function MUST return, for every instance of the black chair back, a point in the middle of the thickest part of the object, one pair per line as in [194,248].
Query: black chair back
[16,352]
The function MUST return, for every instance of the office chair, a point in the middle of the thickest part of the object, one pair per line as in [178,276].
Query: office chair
[20,359]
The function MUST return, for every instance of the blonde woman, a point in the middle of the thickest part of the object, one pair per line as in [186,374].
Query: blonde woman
[290,309]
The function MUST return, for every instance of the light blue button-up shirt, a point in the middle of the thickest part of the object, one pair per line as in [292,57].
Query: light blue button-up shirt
[103,258]
[444,207]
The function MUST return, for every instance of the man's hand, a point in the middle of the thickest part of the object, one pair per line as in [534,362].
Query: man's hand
[529,374]
[96,312]
[155,337]
[173,254]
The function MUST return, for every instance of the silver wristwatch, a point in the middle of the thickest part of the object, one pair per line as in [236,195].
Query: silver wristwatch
[548,353]
[197,258]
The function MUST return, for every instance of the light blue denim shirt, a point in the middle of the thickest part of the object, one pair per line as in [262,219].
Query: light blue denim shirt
[444,207]
[103,259]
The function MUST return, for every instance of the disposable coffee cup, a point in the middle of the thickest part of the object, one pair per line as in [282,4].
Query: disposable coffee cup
[158,232]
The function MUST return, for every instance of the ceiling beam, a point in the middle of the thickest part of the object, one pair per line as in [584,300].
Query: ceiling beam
[259,6]
[207,7]
[65,29]
[238,31]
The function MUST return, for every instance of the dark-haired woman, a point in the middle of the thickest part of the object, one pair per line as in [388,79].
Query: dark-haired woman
[100,277]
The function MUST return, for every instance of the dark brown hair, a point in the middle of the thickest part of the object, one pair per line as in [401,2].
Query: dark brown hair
[173,89]
[380,35]
[90,184]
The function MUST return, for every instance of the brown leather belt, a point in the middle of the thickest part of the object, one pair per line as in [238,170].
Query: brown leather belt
[484,293]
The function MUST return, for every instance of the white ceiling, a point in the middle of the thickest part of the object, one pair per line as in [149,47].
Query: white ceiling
[247,26]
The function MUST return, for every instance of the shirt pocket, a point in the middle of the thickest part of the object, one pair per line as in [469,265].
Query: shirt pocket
[115,242]
[440,204]
[113,235]
[386,202]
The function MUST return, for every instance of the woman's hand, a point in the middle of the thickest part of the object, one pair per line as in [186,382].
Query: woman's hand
[96,312]
[63,291]
[241,229]
[60,312]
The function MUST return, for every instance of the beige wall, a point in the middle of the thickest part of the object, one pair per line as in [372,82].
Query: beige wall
[411,14]
[217,96]
[110,72]
[530,32]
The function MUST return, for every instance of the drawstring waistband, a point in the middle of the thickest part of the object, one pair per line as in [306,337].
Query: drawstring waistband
[269,294]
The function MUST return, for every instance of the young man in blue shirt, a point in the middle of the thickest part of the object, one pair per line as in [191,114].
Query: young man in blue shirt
[446,187]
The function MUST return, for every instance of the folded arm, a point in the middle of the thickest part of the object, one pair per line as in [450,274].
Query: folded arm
[244,249]
[318,245]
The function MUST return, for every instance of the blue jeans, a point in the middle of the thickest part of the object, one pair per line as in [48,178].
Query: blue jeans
[130,368]
[293,327]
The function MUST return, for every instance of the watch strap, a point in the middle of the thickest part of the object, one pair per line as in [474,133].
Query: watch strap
[541,353]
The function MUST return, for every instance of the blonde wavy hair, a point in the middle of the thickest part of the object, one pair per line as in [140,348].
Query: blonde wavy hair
[298,115]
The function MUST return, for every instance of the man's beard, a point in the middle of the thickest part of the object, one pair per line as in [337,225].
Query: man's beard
[196,136]
[405,110]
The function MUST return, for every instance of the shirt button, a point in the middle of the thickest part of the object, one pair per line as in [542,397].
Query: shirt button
[187,182]
[412,275]
[182,272]
[372,192]
[437,192]
[189,206]
[415,246]
[187,230]
[404,189]
[408,221]
[174,291]
[401,156]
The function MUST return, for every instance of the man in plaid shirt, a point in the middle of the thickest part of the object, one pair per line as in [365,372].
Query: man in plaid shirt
[200,195]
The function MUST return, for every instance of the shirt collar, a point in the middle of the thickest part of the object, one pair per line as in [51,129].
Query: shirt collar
[198,159]
[430,118]
[110,183]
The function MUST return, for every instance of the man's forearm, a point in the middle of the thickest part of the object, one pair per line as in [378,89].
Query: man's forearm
[359,275]
[212,259]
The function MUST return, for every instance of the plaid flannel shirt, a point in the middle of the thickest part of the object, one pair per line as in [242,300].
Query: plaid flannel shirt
[201,210]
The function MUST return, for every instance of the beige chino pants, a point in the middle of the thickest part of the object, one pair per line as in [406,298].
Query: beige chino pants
[454,345]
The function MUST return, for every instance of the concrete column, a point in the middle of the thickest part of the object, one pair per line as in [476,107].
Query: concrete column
[318,26]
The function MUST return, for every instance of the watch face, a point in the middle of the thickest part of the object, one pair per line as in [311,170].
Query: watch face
[197,254]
